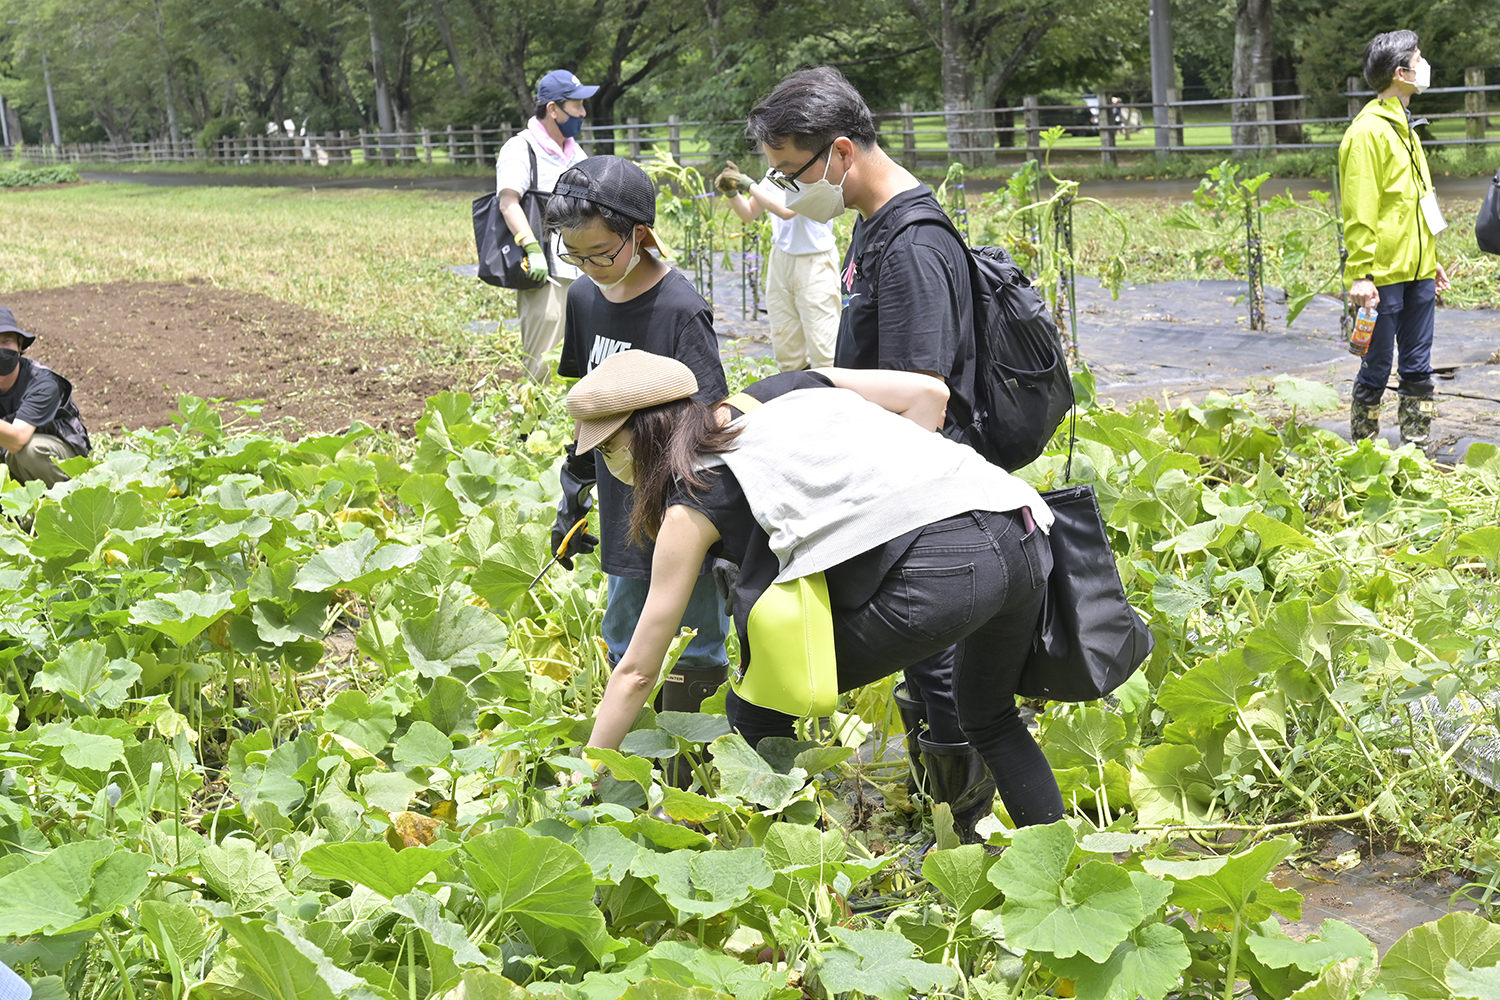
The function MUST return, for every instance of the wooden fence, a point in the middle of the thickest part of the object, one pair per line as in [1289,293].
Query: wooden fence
[917,138]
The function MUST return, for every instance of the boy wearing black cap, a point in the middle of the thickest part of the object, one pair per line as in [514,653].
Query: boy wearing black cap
[532,161]
[604,209]
[39,422]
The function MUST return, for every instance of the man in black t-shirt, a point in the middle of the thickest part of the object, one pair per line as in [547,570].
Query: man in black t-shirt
[39,422]
[604,209]
[910,302]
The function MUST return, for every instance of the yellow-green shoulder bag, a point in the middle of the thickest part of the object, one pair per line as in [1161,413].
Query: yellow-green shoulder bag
[792,668]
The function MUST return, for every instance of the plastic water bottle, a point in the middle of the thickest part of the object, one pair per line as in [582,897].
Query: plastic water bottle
[1364,327]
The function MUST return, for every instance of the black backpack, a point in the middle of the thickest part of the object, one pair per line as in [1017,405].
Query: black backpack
[1487,226]
[1022,387]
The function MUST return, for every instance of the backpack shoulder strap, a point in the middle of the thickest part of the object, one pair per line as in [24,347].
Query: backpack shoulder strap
[743,401]
[913,215]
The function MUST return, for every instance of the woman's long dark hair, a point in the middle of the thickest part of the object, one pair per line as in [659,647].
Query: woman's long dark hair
[668,443]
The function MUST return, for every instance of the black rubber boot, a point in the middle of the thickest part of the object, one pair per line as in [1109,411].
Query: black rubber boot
[685,690]
[1415,411]
[1364,413]
[957,775]
[914,719]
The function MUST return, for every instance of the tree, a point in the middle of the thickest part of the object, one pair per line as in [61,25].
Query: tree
[1252,64]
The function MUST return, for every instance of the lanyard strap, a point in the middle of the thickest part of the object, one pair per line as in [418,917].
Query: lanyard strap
[1411,153]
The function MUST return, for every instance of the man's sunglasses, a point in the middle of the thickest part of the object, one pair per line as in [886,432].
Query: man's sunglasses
[786,183]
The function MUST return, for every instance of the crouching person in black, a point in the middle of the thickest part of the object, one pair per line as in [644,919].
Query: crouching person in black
[39,422]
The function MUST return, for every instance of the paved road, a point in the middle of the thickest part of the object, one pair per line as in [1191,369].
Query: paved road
[1448,187]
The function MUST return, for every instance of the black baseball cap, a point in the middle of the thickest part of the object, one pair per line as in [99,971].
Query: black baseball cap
[561,85]
[8,325]
[615,183]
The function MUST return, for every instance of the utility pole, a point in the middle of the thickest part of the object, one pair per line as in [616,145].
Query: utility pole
[1163,72]
[51,102]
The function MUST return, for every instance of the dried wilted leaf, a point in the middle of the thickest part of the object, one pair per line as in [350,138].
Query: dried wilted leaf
[409,829]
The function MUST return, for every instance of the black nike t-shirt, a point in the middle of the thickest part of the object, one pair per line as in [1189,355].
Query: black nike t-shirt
[911,302]
[670,319]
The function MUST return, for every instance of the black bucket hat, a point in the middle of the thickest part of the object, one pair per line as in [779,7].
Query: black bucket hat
[8,325]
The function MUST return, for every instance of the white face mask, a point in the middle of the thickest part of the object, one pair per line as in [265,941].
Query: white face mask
[621,464]
[1424,75]
[819,201]
[635,258]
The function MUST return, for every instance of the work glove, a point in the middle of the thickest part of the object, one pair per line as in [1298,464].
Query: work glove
[536,261]
[731,181]
[577,477]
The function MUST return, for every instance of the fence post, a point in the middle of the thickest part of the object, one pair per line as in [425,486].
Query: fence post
[908,137]
[1033,127]
[478,147]
[633,136]
[1107,155]
[1475,106]
[1351,84]
[1174,118]
[1265,113]
[674,137]
[452,146]
[427,143]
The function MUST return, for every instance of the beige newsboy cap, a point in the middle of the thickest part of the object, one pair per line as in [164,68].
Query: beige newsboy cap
[605,398]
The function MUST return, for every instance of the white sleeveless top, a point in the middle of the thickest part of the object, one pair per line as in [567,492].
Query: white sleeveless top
[829,474]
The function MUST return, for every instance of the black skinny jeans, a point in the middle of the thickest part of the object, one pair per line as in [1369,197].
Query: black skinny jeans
[976,579]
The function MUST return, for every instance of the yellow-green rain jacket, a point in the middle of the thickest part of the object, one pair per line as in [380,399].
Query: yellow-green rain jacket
[1383,175]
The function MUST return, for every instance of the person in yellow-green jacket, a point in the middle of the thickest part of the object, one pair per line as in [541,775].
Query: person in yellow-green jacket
[1391,222]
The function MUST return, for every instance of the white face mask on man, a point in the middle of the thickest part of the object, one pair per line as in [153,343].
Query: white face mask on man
[635,258]
[1422,75]
[819,201]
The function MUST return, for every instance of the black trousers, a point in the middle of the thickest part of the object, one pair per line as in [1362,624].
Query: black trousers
[975,580]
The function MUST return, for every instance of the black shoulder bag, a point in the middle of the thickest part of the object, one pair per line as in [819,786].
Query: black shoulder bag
[1487,226]
[501,261]
[1089,639]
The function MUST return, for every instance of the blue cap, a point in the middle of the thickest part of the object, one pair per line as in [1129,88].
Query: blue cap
[561,85]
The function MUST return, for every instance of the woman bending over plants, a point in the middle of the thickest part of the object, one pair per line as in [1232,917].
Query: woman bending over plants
[862,540]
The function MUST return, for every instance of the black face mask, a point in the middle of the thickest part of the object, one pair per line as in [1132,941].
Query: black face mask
[9,359]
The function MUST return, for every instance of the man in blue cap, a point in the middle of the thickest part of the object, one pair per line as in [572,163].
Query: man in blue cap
[533,161]
[39,422]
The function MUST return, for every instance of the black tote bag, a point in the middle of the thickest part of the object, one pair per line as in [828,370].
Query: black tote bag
[1487,226]
[1089,639]
[501,261]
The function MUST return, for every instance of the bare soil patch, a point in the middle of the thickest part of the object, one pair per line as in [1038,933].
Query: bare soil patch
[130,348]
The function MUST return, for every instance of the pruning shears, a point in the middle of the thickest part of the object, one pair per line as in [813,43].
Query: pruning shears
[561,548]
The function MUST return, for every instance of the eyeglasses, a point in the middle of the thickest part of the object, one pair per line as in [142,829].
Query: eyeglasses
[594,259]
[786,183]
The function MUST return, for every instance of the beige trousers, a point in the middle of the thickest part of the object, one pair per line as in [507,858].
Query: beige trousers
[38,460]
[802,297]
[543,312]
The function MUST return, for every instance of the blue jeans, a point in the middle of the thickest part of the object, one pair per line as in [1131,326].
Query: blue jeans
[705,612]
[1403,328]
[976,580]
